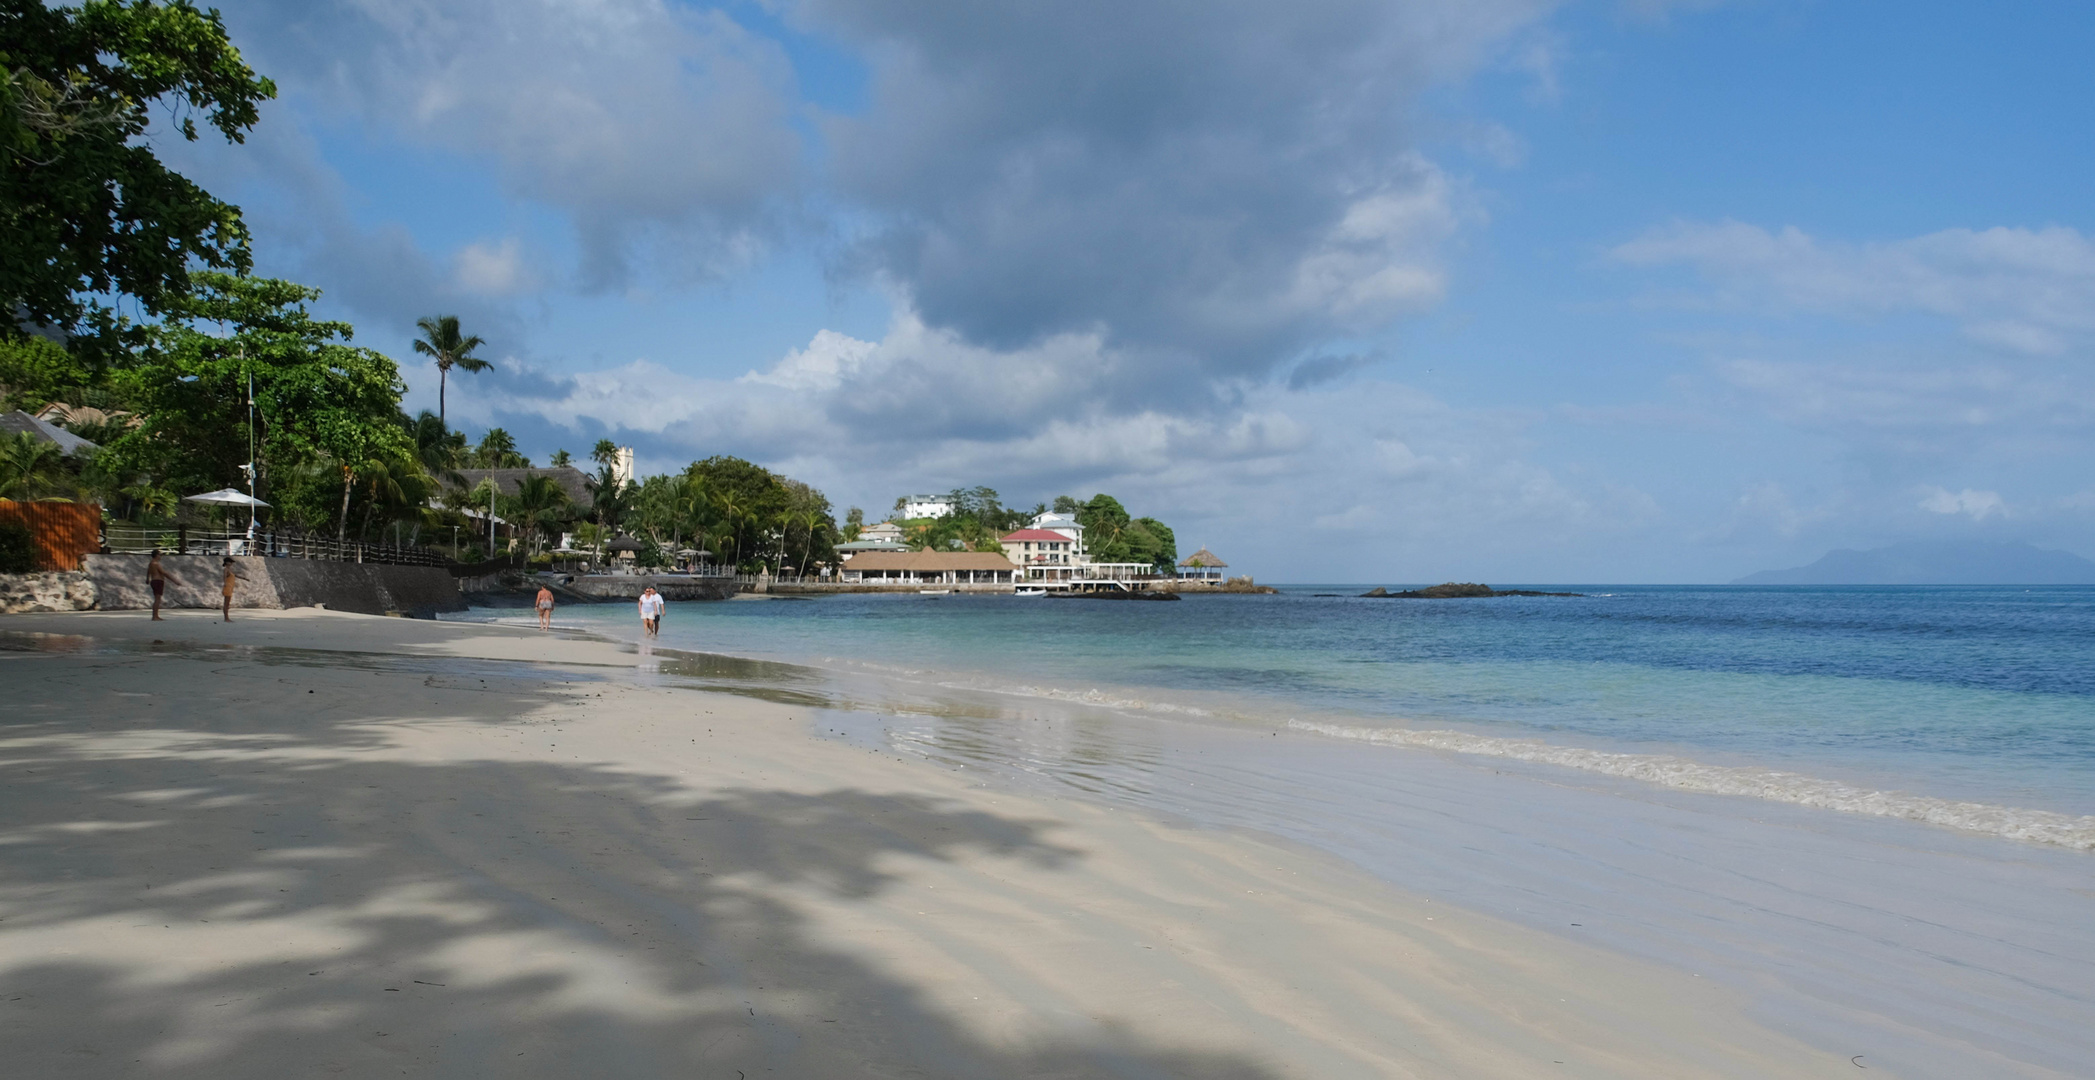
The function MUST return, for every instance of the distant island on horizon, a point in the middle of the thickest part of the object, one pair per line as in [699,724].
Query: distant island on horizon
[1940,562]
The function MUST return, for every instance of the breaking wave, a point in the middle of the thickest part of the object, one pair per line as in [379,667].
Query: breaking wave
[2033,826]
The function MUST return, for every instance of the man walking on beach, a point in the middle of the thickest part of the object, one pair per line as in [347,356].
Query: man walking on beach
[156,580]
[545,607]
[650,611]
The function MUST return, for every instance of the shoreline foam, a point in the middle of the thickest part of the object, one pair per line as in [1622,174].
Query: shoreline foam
[2013,823]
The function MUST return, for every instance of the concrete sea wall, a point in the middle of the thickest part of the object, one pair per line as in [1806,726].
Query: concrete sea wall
[193,582]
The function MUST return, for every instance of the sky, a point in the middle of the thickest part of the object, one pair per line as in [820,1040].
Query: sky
[1500,290]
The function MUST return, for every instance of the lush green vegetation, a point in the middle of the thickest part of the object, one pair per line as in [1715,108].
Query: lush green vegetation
[218,372]
[1111,536]
[88,213]
[978,520]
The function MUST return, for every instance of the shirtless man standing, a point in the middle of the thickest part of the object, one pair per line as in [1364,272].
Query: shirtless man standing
[156,579]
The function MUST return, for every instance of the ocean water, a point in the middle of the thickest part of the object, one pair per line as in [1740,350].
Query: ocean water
[1866,810]
[1971,707]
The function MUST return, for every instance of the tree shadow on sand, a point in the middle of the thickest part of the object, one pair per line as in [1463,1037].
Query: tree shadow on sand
[222,888]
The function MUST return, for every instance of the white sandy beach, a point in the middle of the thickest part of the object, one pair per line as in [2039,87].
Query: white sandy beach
[312,843]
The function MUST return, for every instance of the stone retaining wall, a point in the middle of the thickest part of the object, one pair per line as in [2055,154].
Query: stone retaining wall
[60,590]
[193,582]
[672,587]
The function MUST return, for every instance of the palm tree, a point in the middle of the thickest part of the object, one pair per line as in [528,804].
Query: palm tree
[440,339]
[609,499]
[439,450]
[538,499]
[733,508]
[814,520]
[31,468]
[398,487]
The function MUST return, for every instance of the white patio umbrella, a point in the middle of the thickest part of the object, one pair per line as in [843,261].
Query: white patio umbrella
[225,497]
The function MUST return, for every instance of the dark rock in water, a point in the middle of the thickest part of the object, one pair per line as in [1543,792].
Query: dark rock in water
[1455,590]
[1450,591]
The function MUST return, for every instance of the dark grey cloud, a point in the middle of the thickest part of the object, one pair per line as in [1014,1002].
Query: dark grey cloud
[1318,370]
[1212,186]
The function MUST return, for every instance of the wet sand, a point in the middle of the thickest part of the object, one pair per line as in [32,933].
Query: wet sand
[311,843]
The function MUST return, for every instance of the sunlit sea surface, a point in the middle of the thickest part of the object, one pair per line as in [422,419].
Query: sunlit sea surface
[1972,707]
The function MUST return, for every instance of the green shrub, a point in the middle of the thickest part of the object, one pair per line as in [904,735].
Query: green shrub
[17,548]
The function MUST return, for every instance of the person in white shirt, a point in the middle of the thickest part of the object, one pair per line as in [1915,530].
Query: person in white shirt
[651,611]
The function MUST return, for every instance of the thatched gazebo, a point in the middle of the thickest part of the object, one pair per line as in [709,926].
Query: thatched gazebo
[625,549]
[1202,565]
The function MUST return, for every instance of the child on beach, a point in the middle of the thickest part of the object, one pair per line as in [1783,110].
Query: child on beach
[545,608]
[232,578]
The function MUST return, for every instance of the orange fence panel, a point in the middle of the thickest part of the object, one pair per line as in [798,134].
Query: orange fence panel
[62,531]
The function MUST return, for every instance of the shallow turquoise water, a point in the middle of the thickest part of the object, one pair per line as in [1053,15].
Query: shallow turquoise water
[1982,693]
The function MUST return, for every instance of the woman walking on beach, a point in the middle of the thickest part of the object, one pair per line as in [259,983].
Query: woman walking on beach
[545,608]
[232,578]
[156,580]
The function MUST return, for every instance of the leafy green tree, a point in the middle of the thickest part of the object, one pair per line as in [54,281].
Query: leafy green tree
[854,523]
[87,211]
[1104,521]
[36,371]
[31,468]
[1066,505]
[560,459]
[317,398]
[442,342]
[605,452]
[1151,541]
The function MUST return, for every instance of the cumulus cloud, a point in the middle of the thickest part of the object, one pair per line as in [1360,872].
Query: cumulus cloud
[649,124]
[493,269]
[1978,505]
[2027,291]
[1206,187]
[1374,467]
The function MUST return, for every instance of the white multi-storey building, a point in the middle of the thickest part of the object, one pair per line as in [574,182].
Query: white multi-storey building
[926,506]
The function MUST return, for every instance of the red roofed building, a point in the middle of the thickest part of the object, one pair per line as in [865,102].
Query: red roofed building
[1045,554]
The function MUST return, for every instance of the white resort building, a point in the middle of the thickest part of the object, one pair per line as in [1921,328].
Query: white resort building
[926,506]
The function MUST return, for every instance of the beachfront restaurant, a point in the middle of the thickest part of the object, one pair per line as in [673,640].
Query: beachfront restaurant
[930,568]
